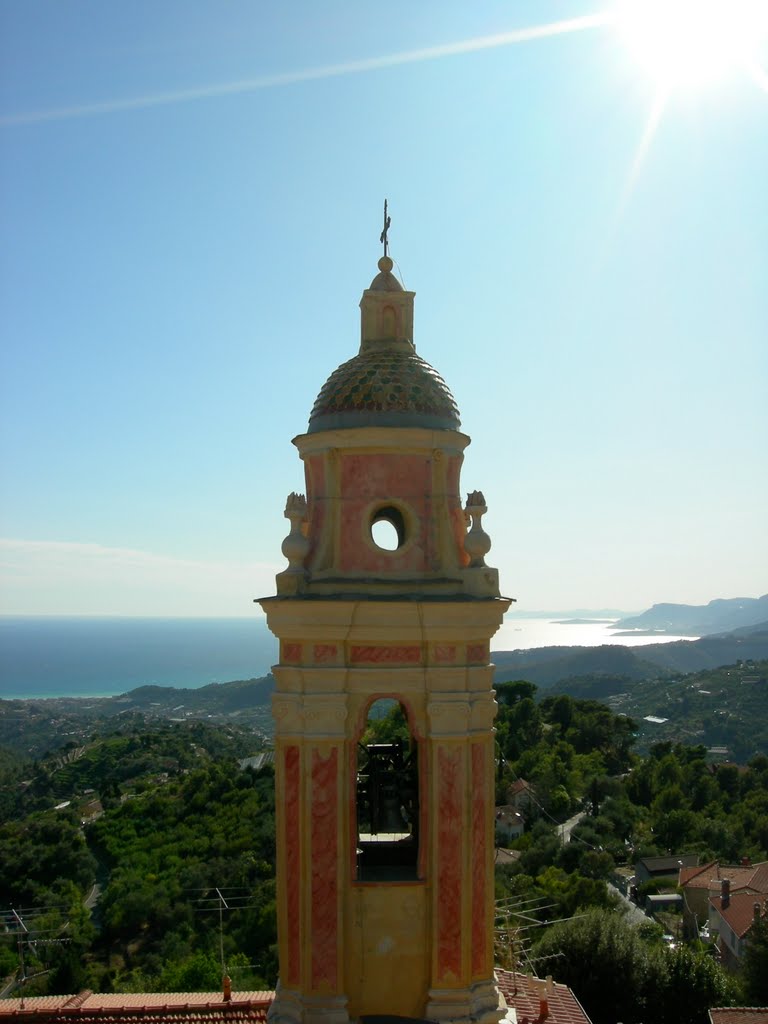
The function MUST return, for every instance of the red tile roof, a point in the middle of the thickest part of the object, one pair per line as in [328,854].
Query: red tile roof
[754,877]
[739,912]
[140,1008]
[739,1015]
[524,993]
[699,876]
[520,786]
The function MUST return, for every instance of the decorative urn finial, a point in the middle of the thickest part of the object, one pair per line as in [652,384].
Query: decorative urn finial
[477,543]
[296,545]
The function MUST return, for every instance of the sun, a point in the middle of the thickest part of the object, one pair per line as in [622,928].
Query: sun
[692,44]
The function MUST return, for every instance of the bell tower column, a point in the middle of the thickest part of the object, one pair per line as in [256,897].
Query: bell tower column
[384,700]
[311,781]
[462,795]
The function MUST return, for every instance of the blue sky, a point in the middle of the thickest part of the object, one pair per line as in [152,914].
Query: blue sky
[190,201]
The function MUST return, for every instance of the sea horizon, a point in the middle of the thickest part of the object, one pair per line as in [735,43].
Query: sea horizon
[82,656]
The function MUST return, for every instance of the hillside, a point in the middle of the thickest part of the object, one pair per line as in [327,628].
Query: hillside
[725,707]
[719,616]
[546,666]
[33,727]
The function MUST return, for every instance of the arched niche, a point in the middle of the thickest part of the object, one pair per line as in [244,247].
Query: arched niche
[389,322]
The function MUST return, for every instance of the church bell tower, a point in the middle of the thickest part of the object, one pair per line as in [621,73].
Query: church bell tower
[385,840]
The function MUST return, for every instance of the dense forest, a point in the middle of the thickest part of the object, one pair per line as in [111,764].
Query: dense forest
[142,857]
[174,826]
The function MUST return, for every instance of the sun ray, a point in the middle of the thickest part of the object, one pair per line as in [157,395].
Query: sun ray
[649,131]
[476,44]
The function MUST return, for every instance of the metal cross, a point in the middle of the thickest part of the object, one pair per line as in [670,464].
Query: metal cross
[387,222]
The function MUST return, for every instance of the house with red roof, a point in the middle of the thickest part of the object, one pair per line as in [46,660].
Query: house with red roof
[698,884]
[732,915]
[536,1000]
[521,795]
[528,1000]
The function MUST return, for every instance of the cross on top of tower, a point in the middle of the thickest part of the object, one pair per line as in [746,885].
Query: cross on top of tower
[387,221]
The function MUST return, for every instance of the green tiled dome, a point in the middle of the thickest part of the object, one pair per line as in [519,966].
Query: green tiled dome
[385,387]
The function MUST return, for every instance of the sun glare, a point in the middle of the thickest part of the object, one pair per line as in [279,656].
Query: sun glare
[693,43]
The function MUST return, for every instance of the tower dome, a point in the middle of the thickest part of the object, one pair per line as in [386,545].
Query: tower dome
[386,383]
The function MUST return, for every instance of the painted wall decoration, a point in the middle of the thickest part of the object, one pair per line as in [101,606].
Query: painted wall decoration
[386,655]
[324,849]
[479,860]
[290,653]
[292,835]
[477,653]
[449,842]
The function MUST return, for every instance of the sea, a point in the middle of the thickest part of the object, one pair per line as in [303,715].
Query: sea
[64,656]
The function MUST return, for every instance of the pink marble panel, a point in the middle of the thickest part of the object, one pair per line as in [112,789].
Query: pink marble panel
[292,837]
[382,477]
[479,860]
[445,653]
[324,652]
[449,844]
[458,521]
[317,501]
[324,881]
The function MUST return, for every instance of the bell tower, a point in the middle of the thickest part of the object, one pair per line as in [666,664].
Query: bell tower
[385,847]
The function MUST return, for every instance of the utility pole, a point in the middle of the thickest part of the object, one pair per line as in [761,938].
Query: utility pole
[23,930]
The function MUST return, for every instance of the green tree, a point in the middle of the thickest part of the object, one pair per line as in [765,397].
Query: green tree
[755,964]
[682,986]
[200,972]
[604,961]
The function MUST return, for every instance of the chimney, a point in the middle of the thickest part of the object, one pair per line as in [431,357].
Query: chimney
[746,862]
[725,892]
[227,983]
[542,988]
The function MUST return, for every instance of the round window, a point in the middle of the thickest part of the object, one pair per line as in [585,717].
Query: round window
[388,528]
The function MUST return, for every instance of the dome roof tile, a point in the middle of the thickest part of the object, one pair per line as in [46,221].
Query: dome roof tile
[385,386]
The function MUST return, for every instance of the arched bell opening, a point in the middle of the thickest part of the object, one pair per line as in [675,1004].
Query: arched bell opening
[387,796]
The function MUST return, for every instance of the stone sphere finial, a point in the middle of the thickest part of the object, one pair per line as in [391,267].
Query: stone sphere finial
[385,265]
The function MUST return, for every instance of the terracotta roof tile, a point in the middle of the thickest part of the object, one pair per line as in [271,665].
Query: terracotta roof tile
[522,993]
[692,875]
[140,1008]
[760,878]
[520,786]
[740,911]
[754,877]
[739,1015]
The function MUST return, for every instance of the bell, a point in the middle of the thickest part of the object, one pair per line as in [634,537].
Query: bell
[391,819]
